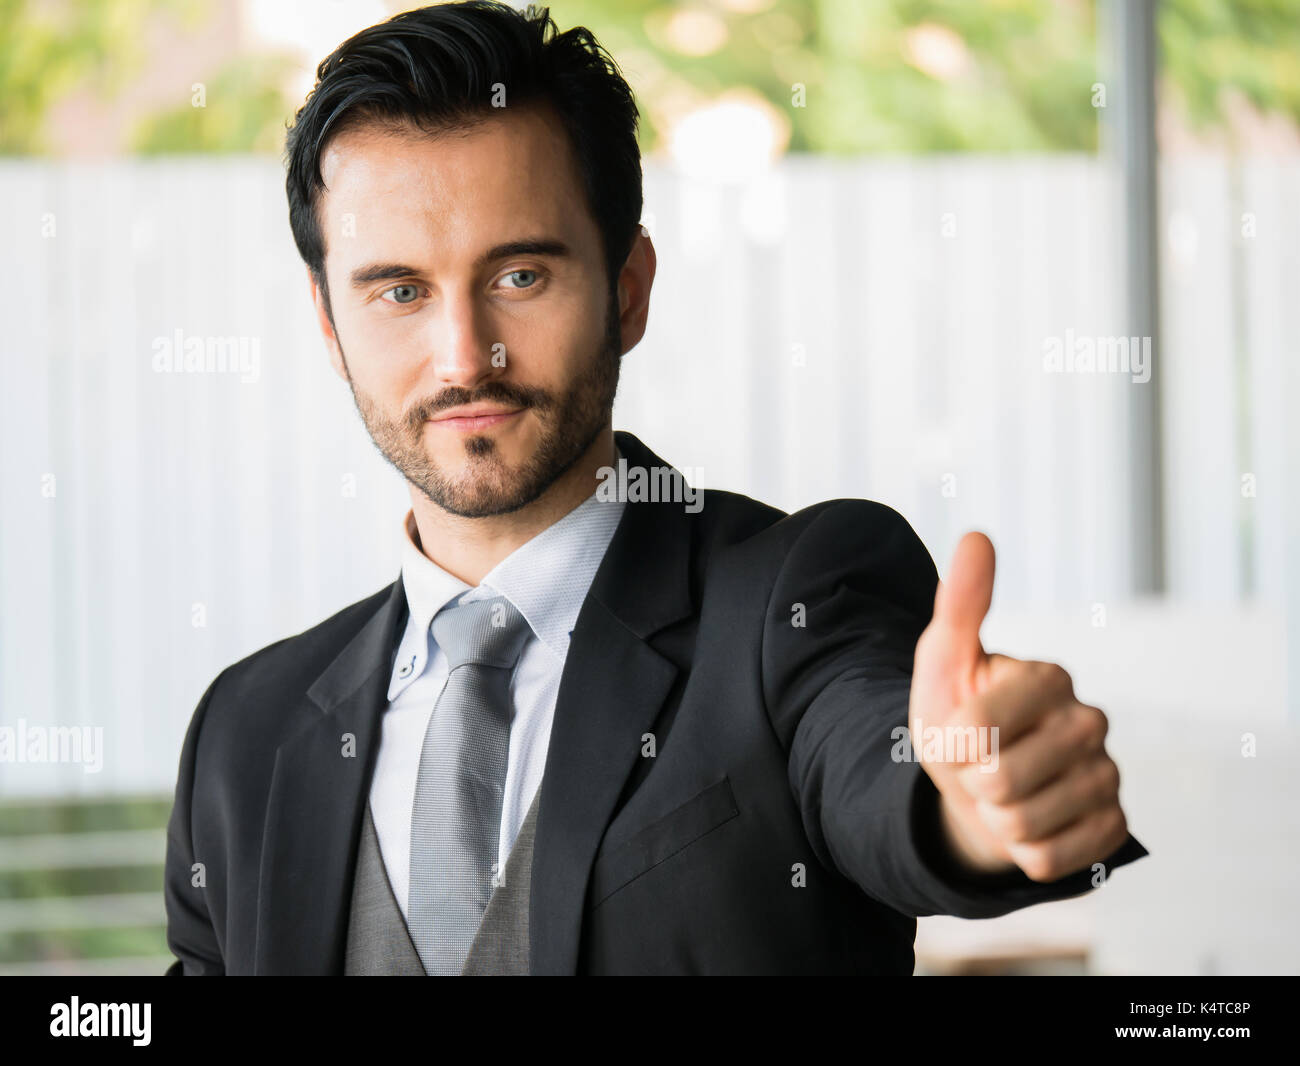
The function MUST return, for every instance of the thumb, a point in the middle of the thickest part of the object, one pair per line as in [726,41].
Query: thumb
[952,645]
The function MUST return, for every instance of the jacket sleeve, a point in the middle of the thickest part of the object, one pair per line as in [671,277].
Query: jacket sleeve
[852,596]
[190,934]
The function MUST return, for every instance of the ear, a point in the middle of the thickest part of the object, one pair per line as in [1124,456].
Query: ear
[634,283]
[327,328]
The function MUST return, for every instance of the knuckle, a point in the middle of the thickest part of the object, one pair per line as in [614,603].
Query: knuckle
[1101,724]
[1038,864]
[1118,824]
[986,787]
[1109,776]
[1092,726]
[1054,677]
[1001,787]
[970,782]
[1016,823]
[1109,830]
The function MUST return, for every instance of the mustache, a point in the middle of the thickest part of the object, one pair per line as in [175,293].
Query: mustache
[489,392]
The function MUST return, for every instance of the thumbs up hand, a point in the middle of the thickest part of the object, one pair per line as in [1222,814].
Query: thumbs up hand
[1020,765]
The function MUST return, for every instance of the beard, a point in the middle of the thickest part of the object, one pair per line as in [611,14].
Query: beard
[570,422]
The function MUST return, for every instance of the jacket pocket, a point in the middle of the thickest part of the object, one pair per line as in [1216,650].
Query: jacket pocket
[662,839]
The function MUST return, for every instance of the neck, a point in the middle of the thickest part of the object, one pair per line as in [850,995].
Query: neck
[468,548]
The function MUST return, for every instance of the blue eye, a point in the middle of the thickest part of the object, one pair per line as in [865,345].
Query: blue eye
[532,274]
[403,294]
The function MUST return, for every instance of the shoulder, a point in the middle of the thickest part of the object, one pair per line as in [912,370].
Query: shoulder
[734,521]
[280,673]
[743,543]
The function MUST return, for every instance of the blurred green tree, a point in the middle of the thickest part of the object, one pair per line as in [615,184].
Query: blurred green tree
[876,75]
[245,110]
[48,51]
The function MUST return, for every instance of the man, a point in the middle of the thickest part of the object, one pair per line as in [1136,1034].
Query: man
[584,734]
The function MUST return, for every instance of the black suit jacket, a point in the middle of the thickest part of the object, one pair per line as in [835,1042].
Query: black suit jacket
[770,831]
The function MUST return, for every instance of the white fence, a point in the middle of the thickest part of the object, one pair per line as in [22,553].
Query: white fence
[874,329]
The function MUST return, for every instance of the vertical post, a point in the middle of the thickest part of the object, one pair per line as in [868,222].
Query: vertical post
[1128,32]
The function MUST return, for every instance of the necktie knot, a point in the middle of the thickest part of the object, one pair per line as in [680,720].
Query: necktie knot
[491,632]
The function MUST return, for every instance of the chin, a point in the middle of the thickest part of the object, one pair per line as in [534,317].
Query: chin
[467,461]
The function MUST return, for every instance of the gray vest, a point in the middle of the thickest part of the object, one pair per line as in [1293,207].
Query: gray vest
[379,943]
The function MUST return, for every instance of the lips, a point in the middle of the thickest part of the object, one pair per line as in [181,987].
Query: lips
[473,418]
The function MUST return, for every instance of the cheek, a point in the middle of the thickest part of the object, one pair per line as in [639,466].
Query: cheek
[383,362]
[569,338]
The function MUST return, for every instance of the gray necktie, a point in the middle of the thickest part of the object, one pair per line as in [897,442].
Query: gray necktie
[456,816]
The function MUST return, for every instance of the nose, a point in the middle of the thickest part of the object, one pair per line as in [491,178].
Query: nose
[461,344]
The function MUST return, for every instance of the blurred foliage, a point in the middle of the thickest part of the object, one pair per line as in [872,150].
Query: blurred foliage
[84,939]
[50,50]
[1250,45]
[1008,75]
[22,947]
[940,75]
[83,816]
[880,75]
[245,110]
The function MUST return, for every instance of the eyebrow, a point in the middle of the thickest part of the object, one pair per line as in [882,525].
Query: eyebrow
[548,246]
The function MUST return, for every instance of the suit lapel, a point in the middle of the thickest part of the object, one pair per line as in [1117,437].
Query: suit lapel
[613,686]
[316,802]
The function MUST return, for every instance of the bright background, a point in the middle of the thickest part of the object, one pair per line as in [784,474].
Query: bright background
[853,299]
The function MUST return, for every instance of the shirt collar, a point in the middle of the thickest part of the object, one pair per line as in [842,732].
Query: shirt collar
[428,586]
[547,578]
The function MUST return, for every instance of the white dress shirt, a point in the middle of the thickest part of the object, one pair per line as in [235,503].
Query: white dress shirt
[546,579]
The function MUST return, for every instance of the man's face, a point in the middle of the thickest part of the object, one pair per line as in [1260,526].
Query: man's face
[434,315]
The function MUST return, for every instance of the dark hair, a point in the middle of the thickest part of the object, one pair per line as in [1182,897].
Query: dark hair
[436,68]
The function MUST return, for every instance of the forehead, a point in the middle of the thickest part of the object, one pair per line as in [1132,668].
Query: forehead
[515,171]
